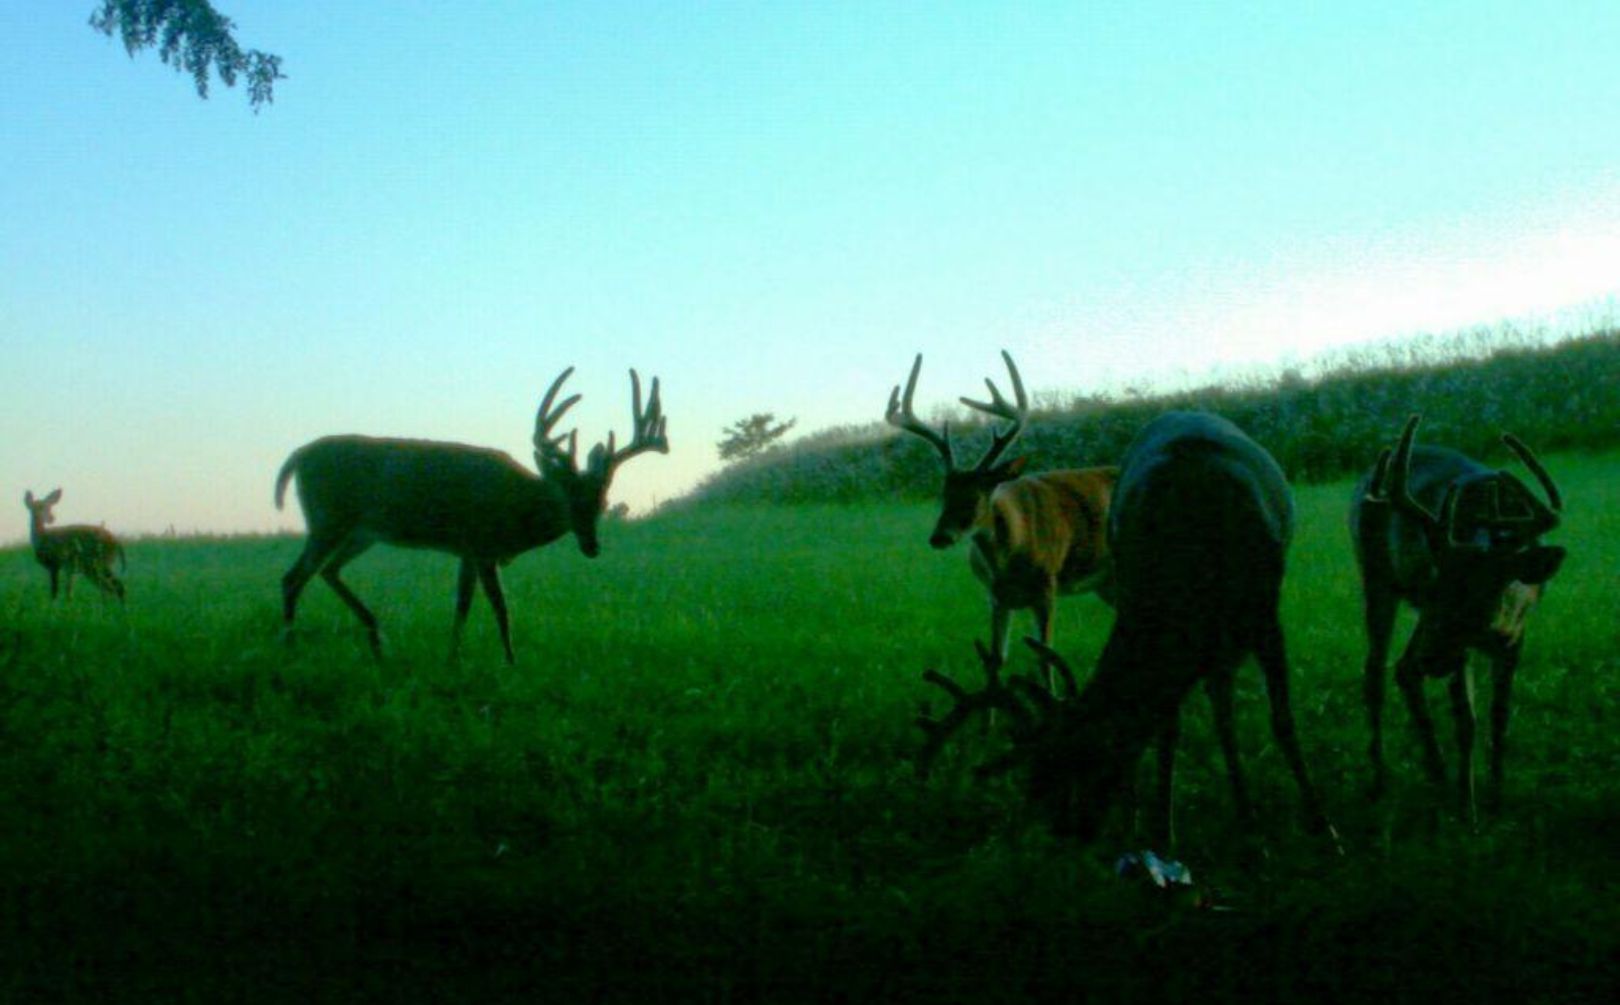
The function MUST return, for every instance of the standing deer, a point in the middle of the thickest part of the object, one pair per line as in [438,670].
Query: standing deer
[1199,527]
[1033,536]
[1461,543]
[472,502]
[77,548]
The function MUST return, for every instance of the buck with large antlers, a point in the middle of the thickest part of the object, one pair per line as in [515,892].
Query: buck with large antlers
[1461,543]
[475,503]
[1033,536]
[1198,530]
[79,548]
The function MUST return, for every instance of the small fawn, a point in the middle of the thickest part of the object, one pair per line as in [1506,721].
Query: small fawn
[76,548]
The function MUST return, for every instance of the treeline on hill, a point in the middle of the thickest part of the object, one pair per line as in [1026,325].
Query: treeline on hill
[1470,389]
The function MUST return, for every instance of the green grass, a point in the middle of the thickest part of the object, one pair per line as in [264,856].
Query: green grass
[696,783]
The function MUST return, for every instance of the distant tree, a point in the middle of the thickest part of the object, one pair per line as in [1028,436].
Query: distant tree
[747,437]
[191,36]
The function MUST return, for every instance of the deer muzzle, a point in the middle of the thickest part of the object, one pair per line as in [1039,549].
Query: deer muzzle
[1518,600]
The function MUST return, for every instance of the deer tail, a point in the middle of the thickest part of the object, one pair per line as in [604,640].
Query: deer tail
[287,471]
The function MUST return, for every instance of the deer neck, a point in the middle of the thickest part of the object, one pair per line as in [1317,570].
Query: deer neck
[548,518]
[37,534]
[1142,677]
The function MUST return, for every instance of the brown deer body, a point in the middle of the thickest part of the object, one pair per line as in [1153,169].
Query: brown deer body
[472,502]
[1035,536]
[1460,542]
[78,548]
[1198,529]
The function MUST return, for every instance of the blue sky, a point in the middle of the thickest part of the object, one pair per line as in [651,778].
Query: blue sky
[771,206]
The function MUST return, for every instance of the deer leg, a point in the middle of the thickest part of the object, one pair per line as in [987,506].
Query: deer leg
[466,581]
[316,551]
[1043,628]
[1273,658]
[490,576]
[1462,713]
[107,580]
[1380,618]
[102,575]
[1501,708]
[348,552]
[53,572]
[1000,628]
[1164,811]
[1409,677]
[1219,686]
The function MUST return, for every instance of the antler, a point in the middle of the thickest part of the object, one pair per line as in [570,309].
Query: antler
[1034,729]
[1001,408]
[1396,470]
[548,449]
[900,415]
[992,696]
[1052,661]
[1441,528]
[647,430]
[1547,514]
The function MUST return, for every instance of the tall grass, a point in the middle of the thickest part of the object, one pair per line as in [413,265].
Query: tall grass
[697,784]
[1322,426]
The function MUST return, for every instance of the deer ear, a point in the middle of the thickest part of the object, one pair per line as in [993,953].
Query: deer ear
[1015,467]
[54,498]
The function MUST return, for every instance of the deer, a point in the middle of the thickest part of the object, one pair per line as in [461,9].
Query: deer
[1460,543]
[1034,536]
[77,548]
[1198,530]
[475,503]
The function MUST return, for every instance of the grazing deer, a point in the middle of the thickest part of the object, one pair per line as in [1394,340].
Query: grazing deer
[475,503]
[1199,527]
[1033,536]
[78,548]
[1461,543]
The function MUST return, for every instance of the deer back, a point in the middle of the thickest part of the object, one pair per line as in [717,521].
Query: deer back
[450,497]
[1200,523]
[1054,523]
[81,546]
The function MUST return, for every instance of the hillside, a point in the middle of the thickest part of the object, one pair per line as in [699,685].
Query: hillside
[1469,389]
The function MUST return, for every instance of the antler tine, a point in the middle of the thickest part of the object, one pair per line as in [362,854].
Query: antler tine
[1051,658]
[1001,408]
[1448,515]
[1376,490]
[1555,500]
[647,425]
[900,415]
[994,695]
[548,446]
[998,405]
[1400,467]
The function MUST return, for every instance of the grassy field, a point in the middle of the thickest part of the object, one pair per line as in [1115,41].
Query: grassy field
[697,784]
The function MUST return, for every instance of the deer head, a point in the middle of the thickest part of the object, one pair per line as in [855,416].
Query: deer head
[965,497]
[586,490]
[1484,542]
[41,509]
